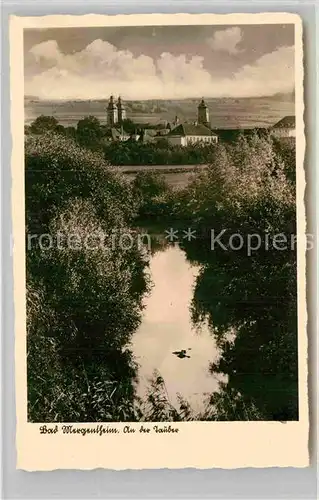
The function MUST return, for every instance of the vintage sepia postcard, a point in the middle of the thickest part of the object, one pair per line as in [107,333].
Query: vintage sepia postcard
[159,241]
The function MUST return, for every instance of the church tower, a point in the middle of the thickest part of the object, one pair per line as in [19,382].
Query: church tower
[121,112]
[176,121]
[203,114]
[112,116]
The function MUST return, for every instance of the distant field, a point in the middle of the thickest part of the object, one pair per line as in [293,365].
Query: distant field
[164,169]
[224,113]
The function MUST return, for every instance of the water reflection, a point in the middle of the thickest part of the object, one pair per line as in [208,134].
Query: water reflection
[167,327]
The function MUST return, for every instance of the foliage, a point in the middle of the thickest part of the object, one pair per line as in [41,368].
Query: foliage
[129,126]
[70,132]
[286,149]
[244,188]
[88,132]
[229,405]
[155,198]
[250,306]
[57,169]
[249,300]
[158,153]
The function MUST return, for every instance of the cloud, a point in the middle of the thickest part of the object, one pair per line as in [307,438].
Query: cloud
[273,72]
[101,69]
[226,40]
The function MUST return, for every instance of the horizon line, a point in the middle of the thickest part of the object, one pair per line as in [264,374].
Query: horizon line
[30,96]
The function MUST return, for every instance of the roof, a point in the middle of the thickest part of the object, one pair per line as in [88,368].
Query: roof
[286,122]
[185,129]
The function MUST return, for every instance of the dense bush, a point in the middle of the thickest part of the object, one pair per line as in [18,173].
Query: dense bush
[58,170]
[249,300]
[83,303]
[245,187]
[89,132]
[44,124]
[83,299]
[155,198]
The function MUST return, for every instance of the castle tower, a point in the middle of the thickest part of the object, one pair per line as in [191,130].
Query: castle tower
[203,114]
[176,121]
[121,112]
[112,116]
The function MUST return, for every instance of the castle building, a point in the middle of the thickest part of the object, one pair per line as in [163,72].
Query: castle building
[203,114]
[112,114]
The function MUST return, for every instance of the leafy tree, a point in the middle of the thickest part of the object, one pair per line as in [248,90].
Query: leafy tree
[57,169]
[84,301]
[129,126]
[70,132]
[60,129]
[157,153]
[44,124]
[153,194]
[286,150]
[249,301]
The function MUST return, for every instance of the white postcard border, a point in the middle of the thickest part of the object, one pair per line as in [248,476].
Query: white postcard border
[197,444]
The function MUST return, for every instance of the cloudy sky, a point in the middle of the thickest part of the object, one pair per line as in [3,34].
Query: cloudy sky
[159,62]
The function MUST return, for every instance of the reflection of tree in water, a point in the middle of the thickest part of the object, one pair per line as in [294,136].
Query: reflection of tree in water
[254,298]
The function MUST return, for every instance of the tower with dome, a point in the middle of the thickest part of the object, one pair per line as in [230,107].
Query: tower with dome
[203,114]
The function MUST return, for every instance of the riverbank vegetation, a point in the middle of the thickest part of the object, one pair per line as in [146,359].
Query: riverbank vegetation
[84,304]
[130,153]
[249,299]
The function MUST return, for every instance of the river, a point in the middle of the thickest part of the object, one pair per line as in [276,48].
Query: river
[167,327]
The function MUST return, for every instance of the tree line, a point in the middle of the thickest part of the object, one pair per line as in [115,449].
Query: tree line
[137,150]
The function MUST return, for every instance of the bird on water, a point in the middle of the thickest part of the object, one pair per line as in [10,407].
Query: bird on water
[181,354]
